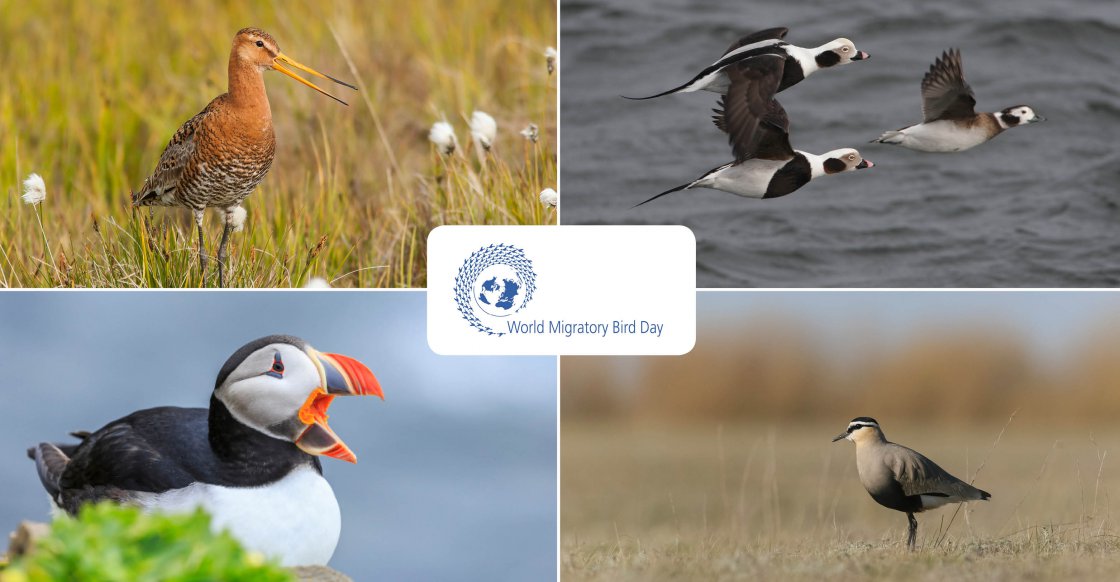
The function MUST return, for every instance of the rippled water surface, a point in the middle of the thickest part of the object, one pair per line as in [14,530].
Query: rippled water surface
[1037,206]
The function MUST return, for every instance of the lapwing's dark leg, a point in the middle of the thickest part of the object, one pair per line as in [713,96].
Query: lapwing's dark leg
[202,260]
[913,534]
[222,254]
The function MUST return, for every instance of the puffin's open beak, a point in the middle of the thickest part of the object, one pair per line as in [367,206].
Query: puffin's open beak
[840,436]
[860,55]
[340,376]
[282,59]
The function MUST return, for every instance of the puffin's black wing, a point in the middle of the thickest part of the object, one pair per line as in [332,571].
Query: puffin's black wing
[945,94]
[749,101]
[778,33]
[144,451]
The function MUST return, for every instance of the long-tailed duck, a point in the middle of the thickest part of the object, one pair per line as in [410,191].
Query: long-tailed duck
[799,62]
[765,165]
[950,122]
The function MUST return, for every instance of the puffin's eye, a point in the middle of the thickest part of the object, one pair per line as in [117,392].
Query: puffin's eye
[277,369]
[260,43]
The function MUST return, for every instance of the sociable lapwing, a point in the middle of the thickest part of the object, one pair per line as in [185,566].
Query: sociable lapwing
[901,478]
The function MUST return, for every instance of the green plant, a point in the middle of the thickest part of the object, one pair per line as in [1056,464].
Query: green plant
[108,542]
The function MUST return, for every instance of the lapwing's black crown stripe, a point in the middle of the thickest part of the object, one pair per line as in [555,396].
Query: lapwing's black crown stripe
[244,351]
[865,419]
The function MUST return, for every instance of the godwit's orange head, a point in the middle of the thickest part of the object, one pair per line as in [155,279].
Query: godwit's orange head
[258,48]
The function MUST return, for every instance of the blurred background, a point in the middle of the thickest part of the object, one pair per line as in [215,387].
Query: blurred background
[704,462]
[94,92]
[1036,207]
[456,474]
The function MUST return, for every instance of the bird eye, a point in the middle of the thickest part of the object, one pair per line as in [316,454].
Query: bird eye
[845,49]
[277,369]
[260,43]
[851,157]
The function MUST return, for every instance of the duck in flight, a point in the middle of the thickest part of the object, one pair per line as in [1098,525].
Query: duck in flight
[950,122]
[765,165]
[799,62]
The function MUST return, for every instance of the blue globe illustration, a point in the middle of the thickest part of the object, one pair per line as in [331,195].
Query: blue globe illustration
[498,291]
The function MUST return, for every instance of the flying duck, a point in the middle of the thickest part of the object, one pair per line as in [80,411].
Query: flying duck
[950,122]
[765,165]
[251,460]
[798,62]
[903,479]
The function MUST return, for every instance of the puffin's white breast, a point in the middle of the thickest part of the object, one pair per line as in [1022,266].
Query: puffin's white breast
[295,519]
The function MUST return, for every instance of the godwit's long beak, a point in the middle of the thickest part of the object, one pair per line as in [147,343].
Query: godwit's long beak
[340,376]
[282,59]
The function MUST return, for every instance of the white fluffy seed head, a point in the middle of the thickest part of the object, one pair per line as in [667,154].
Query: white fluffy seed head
[483,129]
[34,190]
[237,218]
[531,132]
[443,136]
[316,283]
[550,59]
[549,197]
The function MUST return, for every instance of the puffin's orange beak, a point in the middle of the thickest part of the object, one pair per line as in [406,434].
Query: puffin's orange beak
[341,376]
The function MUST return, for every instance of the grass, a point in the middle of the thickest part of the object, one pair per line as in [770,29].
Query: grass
[751,502]
[92,93]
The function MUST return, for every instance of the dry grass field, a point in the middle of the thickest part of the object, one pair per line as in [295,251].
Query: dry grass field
[781,502]
[92,93]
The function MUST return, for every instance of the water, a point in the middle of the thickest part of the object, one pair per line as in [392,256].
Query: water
[1037,206]
[456,473]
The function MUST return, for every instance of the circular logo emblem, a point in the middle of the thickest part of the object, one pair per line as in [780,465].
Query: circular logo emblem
[496,281]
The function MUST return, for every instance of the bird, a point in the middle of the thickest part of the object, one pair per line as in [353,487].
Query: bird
[765,164]
[800,62]
[903,479]
[219,156]
[950,122]
[251,460]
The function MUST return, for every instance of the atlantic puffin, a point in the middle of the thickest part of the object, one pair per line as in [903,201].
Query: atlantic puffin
[950,122]
[251,460]
[765,165]
[798,62]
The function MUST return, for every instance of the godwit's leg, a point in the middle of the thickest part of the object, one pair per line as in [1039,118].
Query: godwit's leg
[202,260]
[912,534]
[222,254]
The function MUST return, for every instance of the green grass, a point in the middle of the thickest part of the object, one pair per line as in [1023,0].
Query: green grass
[92,93]
[754,502]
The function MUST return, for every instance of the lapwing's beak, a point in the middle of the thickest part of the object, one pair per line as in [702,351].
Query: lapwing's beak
[339,376]
[282,59]
[840,436]
[864,164]
[860,55]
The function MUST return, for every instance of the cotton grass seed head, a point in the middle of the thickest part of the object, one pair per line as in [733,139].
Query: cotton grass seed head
[443,136]
[550,59]
[483,129]
[34,190]
[237,219]
[549,197]
[316,283]
[531,132]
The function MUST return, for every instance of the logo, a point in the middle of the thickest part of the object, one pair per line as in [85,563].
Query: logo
[495,282]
